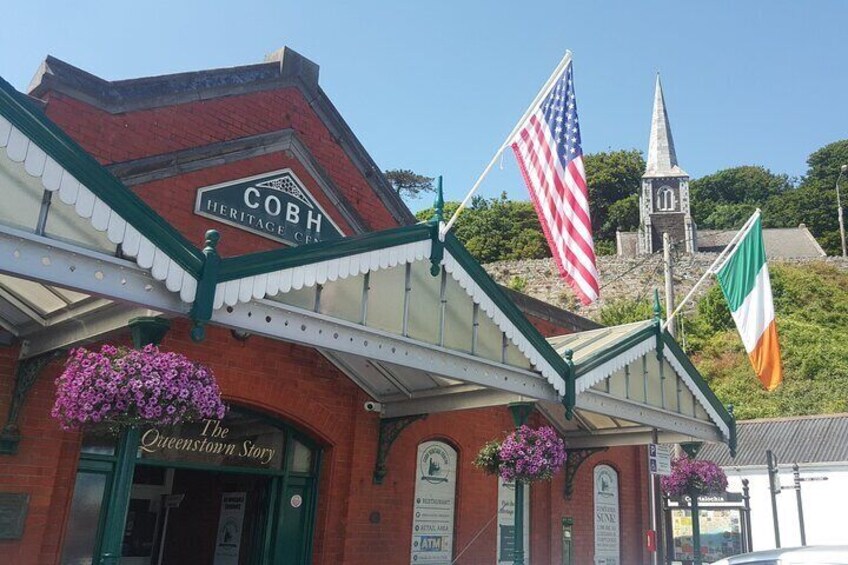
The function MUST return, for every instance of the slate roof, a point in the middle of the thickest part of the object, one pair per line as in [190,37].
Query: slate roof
[781,243]
[802,439]
[662,158]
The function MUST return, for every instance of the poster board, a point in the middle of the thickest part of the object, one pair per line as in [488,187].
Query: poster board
[506,522]
[721,533]
[607,516]
[434,505]
[230,522]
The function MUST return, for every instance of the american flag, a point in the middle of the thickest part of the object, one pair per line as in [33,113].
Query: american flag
[547,146]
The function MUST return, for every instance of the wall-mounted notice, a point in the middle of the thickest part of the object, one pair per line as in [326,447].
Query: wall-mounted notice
[228,542]
[506,522]
[607,519]
[435,499]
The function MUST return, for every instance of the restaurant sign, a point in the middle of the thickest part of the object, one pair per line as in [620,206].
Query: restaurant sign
[275,205]
[435,501]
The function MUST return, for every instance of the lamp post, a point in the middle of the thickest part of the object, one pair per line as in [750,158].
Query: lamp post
[842,170]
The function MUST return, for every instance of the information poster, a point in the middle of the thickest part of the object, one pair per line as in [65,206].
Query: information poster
[506,522]
[721,533]
[607,518]
[228,542]
[435,501]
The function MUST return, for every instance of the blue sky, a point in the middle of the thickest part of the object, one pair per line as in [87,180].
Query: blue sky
[436,86]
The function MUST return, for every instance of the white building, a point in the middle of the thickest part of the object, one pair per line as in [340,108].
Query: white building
[819,445]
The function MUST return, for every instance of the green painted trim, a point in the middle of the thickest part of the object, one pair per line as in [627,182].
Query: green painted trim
[118,501]
[148,330]
[289,257]
[204,296]
[225,469]
[699,381]
[33,123]
[520,412]
[619,347]
[437,248]
[491,288]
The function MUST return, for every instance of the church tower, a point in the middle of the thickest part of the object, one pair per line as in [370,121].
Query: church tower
[664,202]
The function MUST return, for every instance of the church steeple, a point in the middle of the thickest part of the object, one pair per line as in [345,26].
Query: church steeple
[662,159]
[664,203]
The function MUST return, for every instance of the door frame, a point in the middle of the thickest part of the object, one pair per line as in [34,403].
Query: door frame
[120,475]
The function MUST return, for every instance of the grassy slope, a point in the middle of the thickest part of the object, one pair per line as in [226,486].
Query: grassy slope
[811,303]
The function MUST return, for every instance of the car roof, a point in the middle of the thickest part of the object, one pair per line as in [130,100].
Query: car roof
[823,554]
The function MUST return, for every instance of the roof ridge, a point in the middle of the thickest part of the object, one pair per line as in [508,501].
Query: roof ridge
[794,418]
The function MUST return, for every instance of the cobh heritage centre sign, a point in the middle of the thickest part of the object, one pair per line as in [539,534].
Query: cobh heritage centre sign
[275,205]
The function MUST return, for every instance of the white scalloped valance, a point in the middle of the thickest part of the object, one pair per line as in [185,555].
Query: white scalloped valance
[605,370]
[265,285]
[55,179]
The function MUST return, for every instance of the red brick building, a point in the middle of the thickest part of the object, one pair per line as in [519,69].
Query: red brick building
[353,346]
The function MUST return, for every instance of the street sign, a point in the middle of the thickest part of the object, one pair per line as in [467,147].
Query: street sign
[659,459]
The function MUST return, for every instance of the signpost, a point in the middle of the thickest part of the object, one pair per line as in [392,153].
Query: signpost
[659,459]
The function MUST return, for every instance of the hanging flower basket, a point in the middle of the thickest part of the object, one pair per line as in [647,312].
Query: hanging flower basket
[525,455]
[693,477]
[118,387]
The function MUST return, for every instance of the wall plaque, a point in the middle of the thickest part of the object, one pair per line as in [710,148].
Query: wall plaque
[275,205]
[607,518]
[13,513]
[435,499]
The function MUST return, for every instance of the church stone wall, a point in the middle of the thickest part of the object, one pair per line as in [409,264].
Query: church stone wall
[672,223]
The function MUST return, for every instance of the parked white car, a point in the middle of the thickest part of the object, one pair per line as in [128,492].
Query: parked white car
[810,555]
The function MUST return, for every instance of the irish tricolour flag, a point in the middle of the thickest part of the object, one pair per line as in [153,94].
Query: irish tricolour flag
[744,279]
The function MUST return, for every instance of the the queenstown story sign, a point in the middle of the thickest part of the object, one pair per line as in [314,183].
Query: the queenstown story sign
[275,205]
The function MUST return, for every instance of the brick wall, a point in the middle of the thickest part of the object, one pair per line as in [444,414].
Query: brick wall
[114,138]
[293,383]
[299,386]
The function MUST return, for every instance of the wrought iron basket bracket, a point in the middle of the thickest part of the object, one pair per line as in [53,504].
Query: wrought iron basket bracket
[390,430]
[575,458]
[26,375]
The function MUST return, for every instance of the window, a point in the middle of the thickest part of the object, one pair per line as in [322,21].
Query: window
[665,199]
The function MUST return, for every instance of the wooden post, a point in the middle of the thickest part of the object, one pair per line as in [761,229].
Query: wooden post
[669,282]
[696,529]
[145,330]
[520,412]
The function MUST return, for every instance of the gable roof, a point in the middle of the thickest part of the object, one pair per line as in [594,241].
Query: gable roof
[821,438]
[780,243]
[283,68]
[67,170]
[605,362]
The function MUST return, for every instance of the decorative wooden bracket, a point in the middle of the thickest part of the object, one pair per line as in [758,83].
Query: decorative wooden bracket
[26,374]
[575,458]
[390,429]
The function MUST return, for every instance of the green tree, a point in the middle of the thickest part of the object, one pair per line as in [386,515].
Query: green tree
[612,176]
[408,183]
[824,164]
[811,306]
[497,229]
[623,214]
[719,200]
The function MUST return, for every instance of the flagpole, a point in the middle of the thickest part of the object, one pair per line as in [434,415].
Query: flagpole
[739,235]
[566,59]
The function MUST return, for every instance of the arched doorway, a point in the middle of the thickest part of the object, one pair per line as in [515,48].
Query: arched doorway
[239,491]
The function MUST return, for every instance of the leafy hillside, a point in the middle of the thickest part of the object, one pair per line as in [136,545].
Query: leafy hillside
[811,304]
